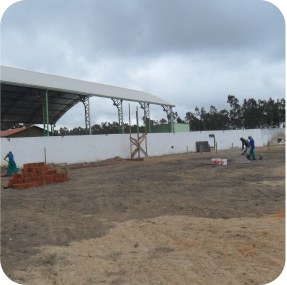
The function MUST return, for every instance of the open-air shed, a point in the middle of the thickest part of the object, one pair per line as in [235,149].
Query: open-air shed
[36,98]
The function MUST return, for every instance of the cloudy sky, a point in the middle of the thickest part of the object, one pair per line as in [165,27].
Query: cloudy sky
[190,53]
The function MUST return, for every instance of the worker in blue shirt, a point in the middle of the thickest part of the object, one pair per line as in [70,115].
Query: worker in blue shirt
[252,147]
[12,168]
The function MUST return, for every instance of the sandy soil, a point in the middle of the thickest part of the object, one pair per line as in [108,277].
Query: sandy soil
[168,220]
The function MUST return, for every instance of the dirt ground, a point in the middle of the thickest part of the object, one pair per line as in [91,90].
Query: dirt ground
[169,220]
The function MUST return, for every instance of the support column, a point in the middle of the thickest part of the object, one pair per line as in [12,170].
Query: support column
[53,128]
[86,101]
[45,106]
[145,107]
[169,112]
[119,104]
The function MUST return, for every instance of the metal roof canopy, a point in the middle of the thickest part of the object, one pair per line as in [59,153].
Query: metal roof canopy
[26,94]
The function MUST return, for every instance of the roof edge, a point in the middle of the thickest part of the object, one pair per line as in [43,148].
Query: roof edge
[22,77]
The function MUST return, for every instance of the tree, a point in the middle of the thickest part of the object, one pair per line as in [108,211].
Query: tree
[250,113]
[77,131]
[272,113]
[63,132]
[235,114]
[194,122]
[197,120]
[281,110]
[217,120]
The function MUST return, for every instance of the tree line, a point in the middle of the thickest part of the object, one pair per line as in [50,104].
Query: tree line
[251,114]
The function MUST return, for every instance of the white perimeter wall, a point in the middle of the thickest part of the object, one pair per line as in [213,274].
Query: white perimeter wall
[79,149]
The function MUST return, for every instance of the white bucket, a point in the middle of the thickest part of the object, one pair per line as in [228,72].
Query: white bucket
[218,161]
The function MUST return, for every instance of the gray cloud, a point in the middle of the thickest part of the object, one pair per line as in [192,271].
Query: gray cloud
[191,53]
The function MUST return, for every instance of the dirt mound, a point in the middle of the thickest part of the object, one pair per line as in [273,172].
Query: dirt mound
[109,161]
[114,159]
[168,250]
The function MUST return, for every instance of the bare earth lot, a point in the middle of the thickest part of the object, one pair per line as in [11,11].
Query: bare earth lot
[169,220]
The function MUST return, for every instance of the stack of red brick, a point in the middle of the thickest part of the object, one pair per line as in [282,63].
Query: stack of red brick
[36,174]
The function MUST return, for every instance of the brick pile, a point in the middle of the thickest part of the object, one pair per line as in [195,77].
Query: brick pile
[36,174]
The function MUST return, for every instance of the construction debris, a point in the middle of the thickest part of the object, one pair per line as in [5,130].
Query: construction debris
[36,174]
[219,161]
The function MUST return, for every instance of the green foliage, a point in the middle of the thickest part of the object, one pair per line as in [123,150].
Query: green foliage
[102,129]
[251,115]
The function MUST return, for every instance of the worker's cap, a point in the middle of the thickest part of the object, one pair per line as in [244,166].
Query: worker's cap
[250,137]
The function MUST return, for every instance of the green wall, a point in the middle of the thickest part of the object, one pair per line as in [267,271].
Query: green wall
[165,128]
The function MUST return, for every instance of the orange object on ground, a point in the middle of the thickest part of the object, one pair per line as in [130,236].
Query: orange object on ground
[36,174]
